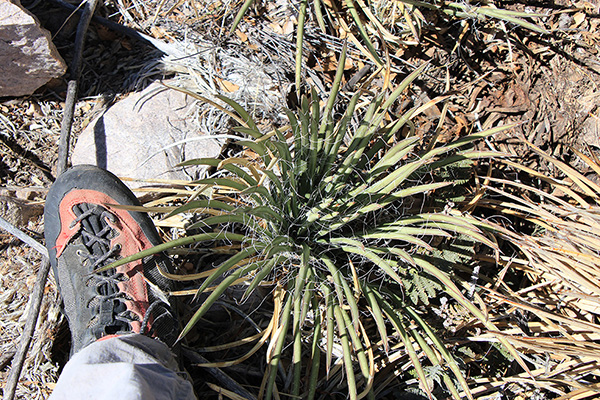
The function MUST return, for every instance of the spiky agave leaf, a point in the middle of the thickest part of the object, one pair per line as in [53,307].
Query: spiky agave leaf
[327,212]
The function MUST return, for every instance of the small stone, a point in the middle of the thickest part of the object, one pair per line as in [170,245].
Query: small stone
[27,193]
[28,57]
[145,136]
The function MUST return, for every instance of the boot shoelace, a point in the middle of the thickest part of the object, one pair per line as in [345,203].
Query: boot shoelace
[109,302]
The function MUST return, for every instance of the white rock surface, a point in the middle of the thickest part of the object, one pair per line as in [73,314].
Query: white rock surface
[135,137]
[28,58]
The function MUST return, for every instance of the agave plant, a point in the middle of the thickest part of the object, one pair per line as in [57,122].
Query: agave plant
[325,210]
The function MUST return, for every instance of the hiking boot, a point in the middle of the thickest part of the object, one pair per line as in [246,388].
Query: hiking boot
[85,231]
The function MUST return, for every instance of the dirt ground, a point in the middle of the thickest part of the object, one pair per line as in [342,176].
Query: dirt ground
[548,83]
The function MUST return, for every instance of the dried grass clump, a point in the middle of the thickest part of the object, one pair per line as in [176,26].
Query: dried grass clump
[561,259]
[17,274]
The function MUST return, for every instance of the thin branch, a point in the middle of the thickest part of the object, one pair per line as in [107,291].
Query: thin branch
[65,127]
[19,234]
[67,121]
[5,358]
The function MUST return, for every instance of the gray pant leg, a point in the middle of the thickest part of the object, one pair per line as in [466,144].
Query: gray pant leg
[126,367]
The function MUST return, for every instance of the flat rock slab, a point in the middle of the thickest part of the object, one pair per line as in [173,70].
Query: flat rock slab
[145,136]
[28,58]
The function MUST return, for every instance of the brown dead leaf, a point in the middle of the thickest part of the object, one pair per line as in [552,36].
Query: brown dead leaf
[250,155]
[578,18]
[330,64]
[157,32]
[229,87]
[288,27]
[276,28]
[243,37]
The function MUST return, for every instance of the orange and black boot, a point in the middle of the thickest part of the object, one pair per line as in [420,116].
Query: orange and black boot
[85,231]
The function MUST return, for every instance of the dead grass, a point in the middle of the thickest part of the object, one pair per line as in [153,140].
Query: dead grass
[18,266]
[560,259]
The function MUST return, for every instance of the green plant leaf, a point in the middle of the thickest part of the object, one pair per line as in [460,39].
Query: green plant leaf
[224,285]
[299,40]
[199,204]
[240,15]
[355,247]
[327,120]
[363,32]
[377,315]
[346,353]
[405,338]
[441,348]
[243,219]
[392,156]
[275,358]
[262,274]
[231,262]
[174,243]
[225,182]
[329,323]
[248,121]
[315,351]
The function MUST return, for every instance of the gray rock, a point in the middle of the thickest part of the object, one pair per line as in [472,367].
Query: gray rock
[28,58]
[145,136]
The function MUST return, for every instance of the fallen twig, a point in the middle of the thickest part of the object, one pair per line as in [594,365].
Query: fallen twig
[5,358]
[35,301]
[19,234]
[67,121]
